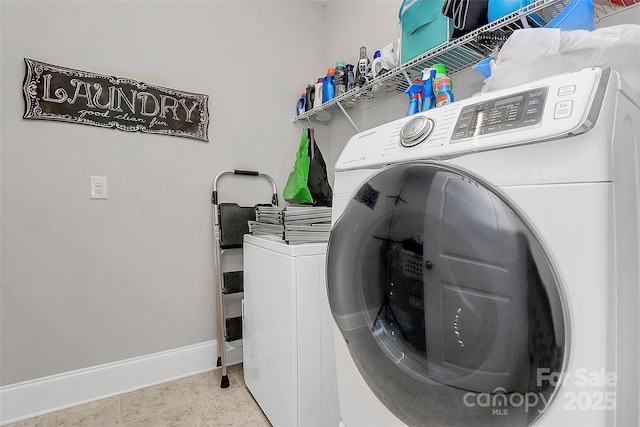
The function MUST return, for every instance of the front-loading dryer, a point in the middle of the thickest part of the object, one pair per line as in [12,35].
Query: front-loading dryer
[483,265]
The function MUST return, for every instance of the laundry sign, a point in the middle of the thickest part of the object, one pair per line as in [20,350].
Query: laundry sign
[63,94]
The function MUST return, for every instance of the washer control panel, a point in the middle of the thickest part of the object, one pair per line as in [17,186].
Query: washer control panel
[538,111]
[505,113]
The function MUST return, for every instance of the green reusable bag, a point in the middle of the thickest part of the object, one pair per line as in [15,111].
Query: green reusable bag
[296,190]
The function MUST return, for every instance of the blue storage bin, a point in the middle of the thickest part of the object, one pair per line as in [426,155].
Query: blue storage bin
[499,8]
[576,15]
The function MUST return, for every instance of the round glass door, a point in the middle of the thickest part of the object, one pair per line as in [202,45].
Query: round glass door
[446,300]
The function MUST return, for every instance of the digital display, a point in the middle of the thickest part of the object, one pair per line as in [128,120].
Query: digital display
[517,111]
[508,100]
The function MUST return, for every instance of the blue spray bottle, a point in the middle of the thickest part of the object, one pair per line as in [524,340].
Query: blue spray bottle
[428,97]
[414,99]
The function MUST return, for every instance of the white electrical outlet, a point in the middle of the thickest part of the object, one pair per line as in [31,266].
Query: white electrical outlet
[99,187]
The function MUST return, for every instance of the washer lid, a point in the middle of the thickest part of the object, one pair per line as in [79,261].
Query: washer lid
[445,299]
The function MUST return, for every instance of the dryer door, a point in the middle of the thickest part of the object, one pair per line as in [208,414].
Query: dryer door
[445,298]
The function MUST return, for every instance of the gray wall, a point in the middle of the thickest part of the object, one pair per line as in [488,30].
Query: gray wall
[85,282]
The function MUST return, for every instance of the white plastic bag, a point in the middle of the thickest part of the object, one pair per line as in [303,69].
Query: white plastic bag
[534,53]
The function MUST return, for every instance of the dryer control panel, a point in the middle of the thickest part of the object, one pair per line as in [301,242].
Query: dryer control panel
[552,108]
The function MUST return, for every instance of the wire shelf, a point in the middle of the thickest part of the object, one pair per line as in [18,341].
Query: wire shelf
[457,55]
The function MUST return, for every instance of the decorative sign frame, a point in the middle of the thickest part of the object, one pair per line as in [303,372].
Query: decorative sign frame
[57,93]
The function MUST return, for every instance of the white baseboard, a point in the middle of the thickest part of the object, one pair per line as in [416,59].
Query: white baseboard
[43,395]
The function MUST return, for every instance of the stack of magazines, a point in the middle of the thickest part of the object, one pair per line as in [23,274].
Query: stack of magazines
[293,224]
[268,221]
[306,224]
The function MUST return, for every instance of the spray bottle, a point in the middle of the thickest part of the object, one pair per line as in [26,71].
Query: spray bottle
[428,96]
[414,99]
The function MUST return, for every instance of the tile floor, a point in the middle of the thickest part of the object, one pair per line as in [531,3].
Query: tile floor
[195,401]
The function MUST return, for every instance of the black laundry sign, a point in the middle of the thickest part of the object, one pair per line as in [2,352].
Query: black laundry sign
[57,93]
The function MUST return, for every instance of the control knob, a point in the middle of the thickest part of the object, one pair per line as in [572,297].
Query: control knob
[416,131]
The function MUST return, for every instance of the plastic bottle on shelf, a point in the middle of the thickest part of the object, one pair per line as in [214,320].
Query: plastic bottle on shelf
[441,72]
[428,96]
[340,78]
[351,77]
[414,103]
[318,92]
[376,69]
[379,65]
[445,96]
[364,68]
[389,55]
[300,104]
[328,86]
[310,96]
[414,98]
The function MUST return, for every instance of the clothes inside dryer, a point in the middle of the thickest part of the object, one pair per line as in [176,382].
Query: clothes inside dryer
[443,293]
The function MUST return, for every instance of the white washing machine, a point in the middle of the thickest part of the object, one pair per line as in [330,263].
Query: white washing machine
[483,267]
